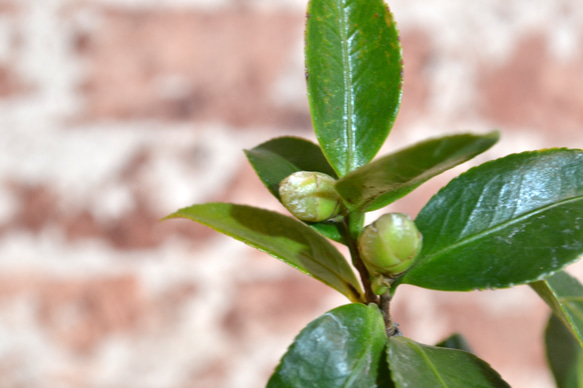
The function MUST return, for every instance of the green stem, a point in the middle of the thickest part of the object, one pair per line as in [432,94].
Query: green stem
[350,229]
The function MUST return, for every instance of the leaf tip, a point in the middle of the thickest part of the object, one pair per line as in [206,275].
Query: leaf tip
[170,216]
[494,135]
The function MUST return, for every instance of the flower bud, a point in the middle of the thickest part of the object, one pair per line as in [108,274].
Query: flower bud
[310,196]
[389,245]
[379,284]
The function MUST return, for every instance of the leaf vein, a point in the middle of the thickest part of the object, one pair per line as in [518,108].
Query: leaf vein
[500,226]
[432,366]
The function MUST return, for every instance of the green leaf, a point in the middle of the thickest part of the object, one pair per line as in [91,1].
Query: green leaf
[455,341]
[416,365]
[354,66]
[564,295]
[391,177]
[329,229]
[510,221]
[343,348]
[278,158]
[282,237]
[564,354]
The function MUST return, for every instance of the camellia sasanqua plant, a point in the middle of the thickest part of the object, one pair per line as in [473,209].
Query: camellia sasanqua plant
[512,221]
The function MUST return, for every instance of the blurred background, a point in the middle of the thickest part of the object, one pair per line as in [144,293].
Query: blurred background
[115,113]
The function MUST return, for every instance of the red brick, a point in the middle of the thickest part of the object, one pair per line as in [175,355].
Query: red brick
[221,65]
[11,85]
[274,305]
[81,314]
[8,7]
[533,90]
[417,55]
[38,206]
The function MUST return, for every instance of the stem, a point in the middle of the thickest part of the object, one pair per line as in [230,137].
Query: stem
[370,296]
[350,229]
[390,327]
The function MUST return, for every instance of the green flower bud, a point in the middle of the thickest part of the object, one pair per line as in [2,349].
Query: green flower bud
[379,284]
[389,245]
[310,196]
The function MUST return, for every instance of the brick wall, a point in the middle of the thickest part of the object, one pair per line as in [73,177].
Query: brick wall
[116,113]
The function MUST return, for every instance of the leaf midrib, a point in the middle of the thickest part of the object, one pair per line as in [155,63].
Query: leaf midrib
[462,154]
[346,282]
[362,357]
[500,226]
[349,133]
[431,365]
[268,248]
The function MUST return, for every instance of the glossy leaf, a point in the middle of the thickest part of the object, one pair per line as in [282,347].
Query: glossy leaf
[282,237]
[510,221]
[276,159]
[455,341]
[416,365]
[354,66]
[343,348]
[391,177]
[564,354]
[329,229]
[564,295]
